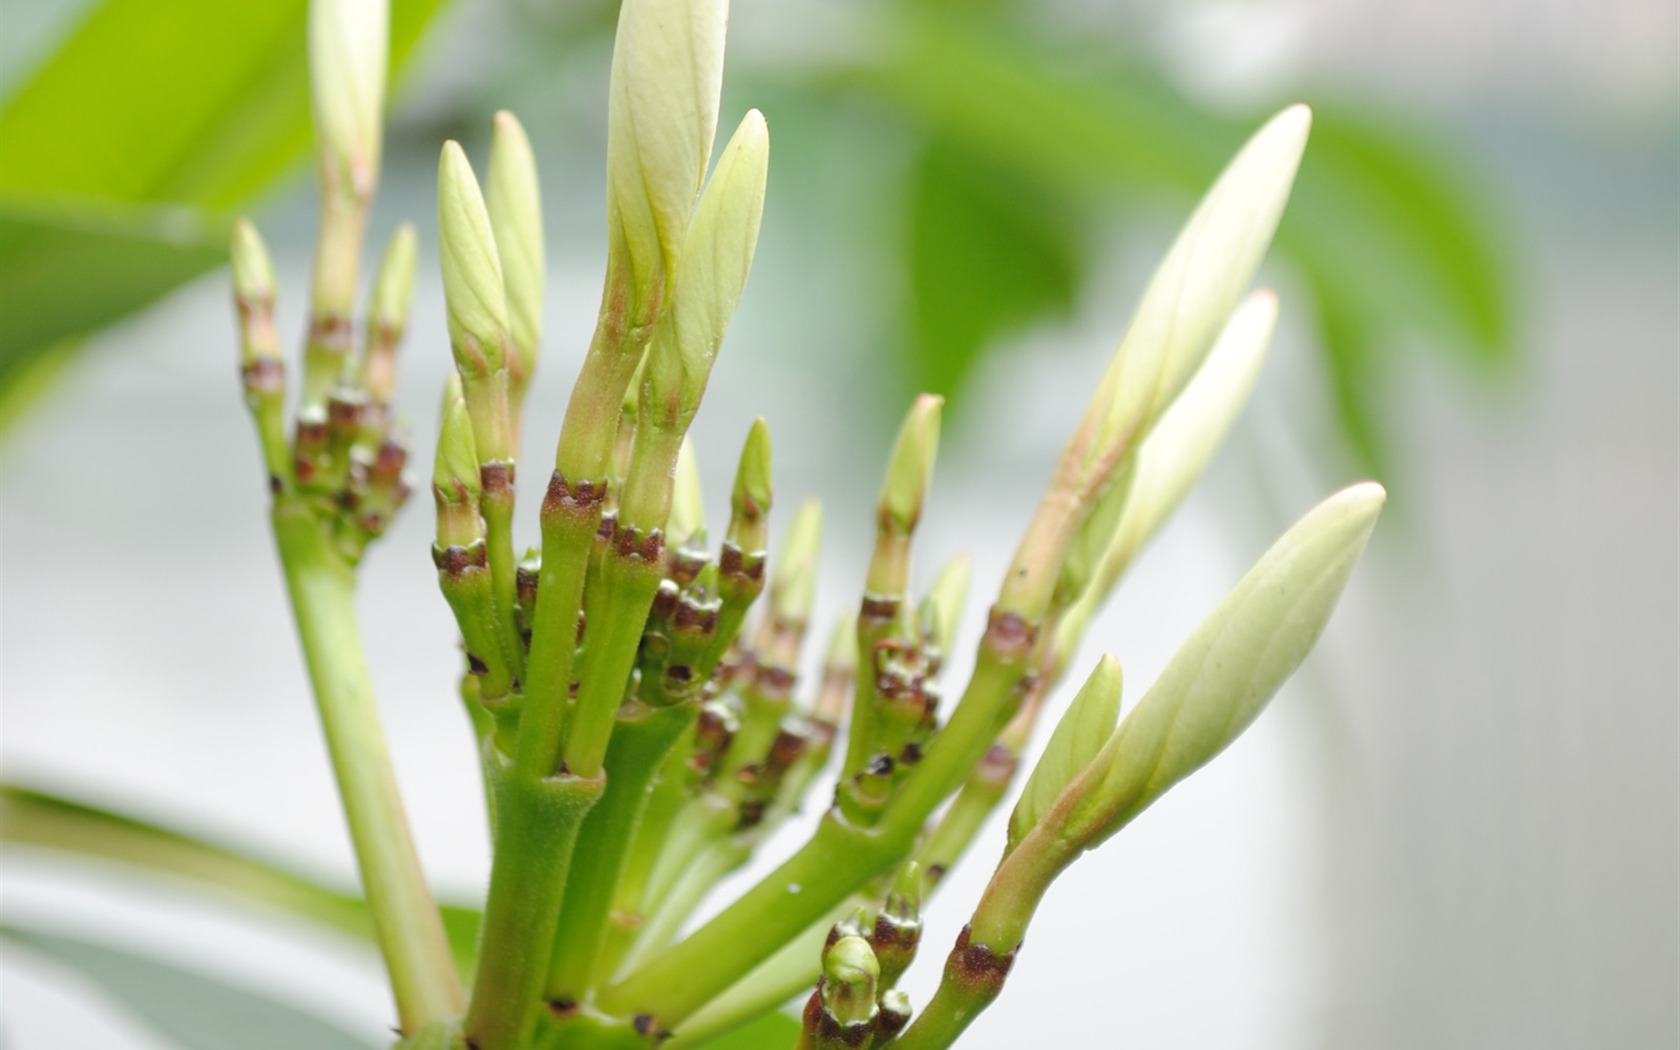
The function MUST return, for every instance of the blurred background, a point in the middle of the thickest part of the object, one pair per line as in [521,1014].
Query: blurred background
[1459,826]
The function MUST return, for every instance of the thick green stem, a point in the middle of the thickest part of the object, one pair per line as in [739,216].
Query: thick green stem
[410,931]
[637,749]
[537,822]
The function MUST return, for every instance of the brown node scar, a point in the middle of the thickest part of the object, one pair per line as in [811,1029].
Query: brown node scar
[878,607]
[567,497]
[977,964]
[1009,634]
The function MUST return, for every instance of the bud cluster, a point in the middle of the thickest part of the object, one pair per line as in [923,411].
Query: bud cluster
[637,693]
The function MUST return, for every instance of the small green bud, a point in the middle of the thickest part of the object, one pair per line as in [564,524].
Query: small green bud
[686,526]
[393,290]
[456,469]
[667,74]
[1221,678]
[472,272]
[455,474]
[348,41]
[515,206]
[749,500]
[253,270]
[910,467]
[793,583]
[717,256]
[850,974]
[1081,733]
[942,609]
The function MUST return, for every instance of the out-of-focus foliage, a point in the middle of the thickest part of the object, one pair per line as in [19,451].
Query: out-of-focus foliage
[65,827]
[195,1012]
[1389,232]
[126,149]
[1020,138]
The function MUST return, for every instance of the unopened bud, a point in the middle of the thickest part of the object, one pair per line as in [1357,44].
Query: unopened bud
[667,74]
[472,271]
[514,203]
[348,41]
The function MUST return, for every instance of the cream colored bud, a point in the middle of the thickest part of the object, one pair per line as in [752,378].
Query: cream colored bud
[348,42]
[514,202]
[662,111]
[1195,289]
[472,271]
[716,259]
[1221,678]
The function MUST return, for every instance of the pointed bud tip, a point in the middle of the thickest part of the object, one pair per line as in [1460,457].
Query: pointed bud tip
[393,287]
[910,470]
[752,478]
[253,269]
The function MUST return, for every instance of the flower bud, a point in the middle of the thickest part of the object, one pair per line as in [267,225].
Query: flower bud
[749,500]
[793,583]
[393,289]
[348,40]
[942,609]
[253,269]
[667,75]
[850,974]
[472,271]
[1197,285]
[716,258]
[515,207]
[1183,309]
[1087,724]
[1239,657]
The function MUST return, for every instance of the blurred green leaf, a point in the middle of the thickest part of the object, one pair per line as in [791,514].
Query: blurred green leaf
[66,270]
[194,1011]
[197,104]
[181,101]
[989,252]
[36,818]
[1384,221]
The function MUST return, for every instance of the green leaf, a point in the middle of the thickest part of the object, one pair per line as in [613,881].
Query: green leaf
[38,819]
[195,1011]
[68,270]
[989,252]
[186,101]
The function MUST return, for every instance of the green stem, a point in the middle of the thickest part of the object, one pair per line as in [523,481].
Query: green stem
[618,611]
[410,930]
[835,863]
[840,857]
[537,822]
[633,757]
[497,508]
